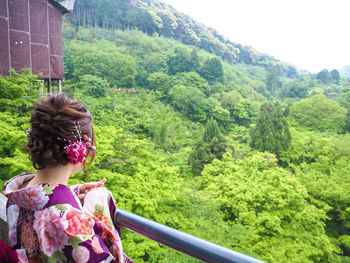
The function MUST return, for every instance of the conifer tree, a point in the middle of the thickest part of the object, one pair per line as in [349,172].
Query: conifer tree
[324,76]
[335,76]
[195,60]
[271,132]
[212,70]
[210,147]
[272,80]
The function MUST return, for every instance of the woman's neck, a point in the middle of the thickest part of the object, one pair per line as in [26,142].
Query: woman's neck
[53,175]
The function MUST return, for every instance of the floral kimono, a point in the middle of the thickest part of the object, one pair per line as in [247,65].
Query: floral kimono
[48,223]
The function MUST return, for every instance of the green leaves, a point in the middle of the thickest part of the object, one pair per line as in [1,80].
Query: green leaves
[210,147]
[260,196]
[319,114]
[271,132]
[49,189]
[102,60]
[93,86]
[18,92]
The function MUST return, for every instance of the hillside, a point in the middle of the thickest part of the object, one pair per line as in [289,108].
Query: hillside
[233,152]
[156,18]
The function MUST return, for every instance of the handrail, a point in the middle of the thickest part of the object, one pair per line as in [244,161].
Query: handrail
[180,241]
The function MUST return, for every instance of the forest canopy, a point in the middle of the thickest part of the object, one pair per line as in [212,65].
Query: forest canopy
[211,139]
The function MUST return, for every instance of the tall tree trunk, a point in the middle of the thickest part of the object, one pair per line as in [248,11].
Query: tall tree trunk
[84,18]
[79,16]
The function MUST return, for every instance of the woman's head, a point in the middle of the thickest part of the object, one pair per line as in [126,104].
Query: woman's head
[54,123]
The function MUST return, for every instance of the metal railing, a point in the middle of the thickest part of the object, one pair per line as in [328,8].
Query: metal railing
[180,241]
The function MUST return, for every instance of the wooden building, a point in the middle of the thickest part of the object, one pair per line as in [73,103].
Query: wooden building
[31,37]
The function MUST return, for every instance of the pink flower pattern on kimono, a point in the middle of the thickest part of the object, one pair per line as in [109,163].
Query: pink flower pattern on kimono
[79,223]
[81,255]
[32,198]
[50,227]
[49,223]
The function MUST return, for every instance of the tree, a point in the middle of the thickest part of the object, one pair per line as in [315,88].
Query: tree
[344,100]
[18,92]
[195,60]
[180,61]
[192,79]
[335,76]
[159,81]
[272,81]
[189,100]
[212,70]
[347,126]
[324,76]
[230,99]
[319,113]
[254,192]
[93,85]
[103,60]
[212,146]
[271,132]
[295,89]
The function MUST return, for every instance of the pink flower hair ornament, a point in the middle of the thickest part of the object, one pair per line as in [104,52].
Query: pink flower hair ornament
[76,151]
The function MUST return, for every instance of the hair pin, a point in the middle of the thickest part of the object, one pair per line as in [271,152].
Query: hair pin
[28,132]
[76,150]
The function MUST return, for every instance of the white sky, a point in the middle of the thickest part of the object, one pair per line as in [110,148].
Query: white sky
[311,34]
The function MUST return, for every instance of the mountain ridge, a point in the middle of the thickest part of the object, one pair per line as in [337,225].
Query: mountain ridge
[157,18]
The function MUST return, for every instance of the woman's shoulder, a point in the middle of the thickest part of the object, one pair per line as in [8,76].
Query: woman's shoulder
[41,196]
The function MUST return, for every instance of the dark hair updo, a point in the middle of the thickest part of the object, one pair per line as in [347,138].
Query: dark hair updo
[56,117]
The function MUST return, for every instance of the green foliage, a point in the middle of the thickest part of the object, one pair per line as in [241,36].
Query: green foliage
[294,89]
[241,110]
[149,145]
[17,95]
[18,92]
[192,79]
[347,121]
[320,162]
[345,241]
[324,76]
[335,76]
[180,61]
[210,147]
[255,193]
[93,85]
[272,80]
[13,159]
[344,100]
[159,81]
[271,132]
[212,70]
[101,59]
[189,100]
[319,113]
[230,99]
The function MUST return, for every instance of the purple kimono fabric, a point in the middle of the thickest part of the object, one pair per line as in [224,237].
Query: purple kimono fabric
[48,223]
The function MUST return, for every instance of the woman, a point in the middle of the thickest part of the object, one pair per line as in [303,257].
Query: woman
[48,221]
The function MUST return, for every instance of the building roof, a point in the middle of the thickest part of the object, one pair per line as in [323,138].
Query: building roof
[69,4]
[59,6]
